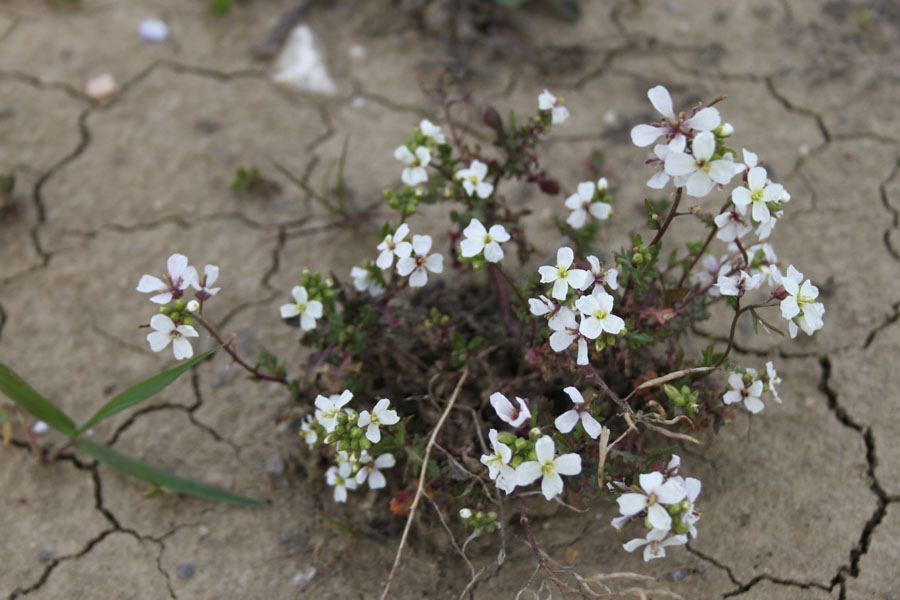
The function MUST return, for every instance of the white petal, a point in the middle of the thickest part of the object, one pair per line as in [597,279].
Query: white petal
[475,229]
[721,171]
[405,266]
[419,278]
[756,178]
[544,449]
[568,464]
[634,544]
[551,486]
[659,517]
[566,421]
[643,135]
[564,256]
[158,340]
[574,394]
[560,340]
[528,472]
[176,264]
[373,433]
[289,310]
[493,252]
[679,163]
[149,283]
[591,425]
[435,263]
[650,481]
[385,461]
[469,247]
[670,492]
[754,404]
[162,323]
[704,146]
[631,504]
[577,218]
[699,184]
[421,244]
[661,101]
[498,233]
[182,348]
[403,154]
[586,190]
[300,295]
[376,480]
[502,406]
[706,119]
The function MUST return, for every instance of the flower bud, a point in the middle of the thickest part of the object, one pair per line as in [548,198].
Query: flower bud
[679,526]
[166,310]
[344,445]
[352,416]
[532,455]
[187,320]
[507,437]
[534,433]
[180,304]
[479,515]
[341,417]
[724,130]
[465,514]
[602,186]
[355,432]
[674,509]
[492,515]
[365,444]
[517,460]
[193,306]
[331,438]
[638,258]
[521,443]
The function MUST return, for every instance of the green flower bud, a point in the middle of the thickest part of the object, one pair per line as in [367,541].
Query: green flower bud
[507,437]
[679,527]
[492,516]
[532,455]
[331,438]
[341,417]
[180,304]
[521,443]
[355,432]
[354,444]
[517,460]
[188,320]
[166,310]
[534,433]
[672,393]
[365,444]
[674,509]
[638,258]
[344,445]
[479,515]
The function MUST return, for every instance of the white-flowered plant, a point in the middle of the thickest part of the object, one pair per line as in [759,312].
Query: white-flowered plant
[308,310]
[548,102]
[515,416]
[746,388]
[165,331]
[548,468]
[416,163]
[478,240]
[563,276]
[498,464]
[340,476]
[179,277]
[380,415]
[417,265]
[370,470]
[799,306]
[588,200]
[473,180]
[393,244]
[566,422]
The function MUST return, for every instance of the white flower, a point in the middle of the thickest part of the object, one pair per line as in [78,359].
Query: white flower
[364,282]
[799,307]
[478,239]
[565,331]
[393,244]
[731,226]
[516,417]
[547,101]
[672,125]
[765,229]
[380,415]
[772,379]
[340,478]
[657,491]
[701,171]
[582,203]
[655,543]
[710,273]
[210,274]
[743,391]
[308,310]
[166,331]
[430,130]
[690,516]
[751,159]
[549,467]
[561,275]
[180,276]
[597,315]
[415,172]
[329,409]
[541,306]
[415,266]
[757,195]
[598,274]
[371,469]
[566,421]
[308,431]
[498,464]
[473,179]
[737,284]
[659,179]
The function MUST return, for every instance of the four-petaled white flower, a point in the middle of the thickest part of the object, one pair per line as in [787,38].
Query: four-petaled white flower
[745,388]
[737,284]
[364,282]
[415,172]
[731,226]
[498,464]
[567,421]
[597,315]
[204,291]
[672,125]
[710,273]
[180,276]
[655,544]
[516,417]
[558,112]
[772,380]
[542,306]
[598,274]
[418,265]
[380,415]
[549,467]
[308,310]
[701,171]
[757,194]
[329,409]
[165,331]
[308,431]
[393,244]
[473,179]
[561,276]
[799,307]
[565,331]
[370,470]
[340,477]
[581,203]
[656,493]
[430,130]
[478,239]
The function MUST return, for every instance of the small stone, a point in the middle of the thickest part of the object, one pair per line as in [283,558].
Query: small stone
[302,578]
[153,30]
[678,575]
[45,556]
[358,102]
[219,480]
[184,570]
[101,87]
[274,465]
[301,63]
[40,427]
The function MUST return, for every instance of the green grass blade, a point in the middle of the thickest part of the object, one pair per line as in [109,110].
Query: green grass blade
[39,407]
[142,391]
[163,479]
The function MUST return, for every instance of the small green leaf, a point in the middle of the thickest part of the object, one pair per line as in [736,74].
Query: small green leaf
[755,322]
[157,477]
[39,407]
[142,391]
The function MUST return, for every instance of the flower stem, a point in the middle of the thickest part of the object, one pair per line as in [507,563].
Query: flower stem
[257,374]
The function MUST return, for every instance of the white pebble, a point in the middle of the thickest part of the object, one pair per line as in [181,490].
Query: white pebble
[40,427]
[153,30]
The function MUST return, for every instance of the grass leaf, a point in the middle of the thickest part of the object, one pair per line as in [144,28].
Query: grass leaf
[142,391]
[160,478]
[39,407]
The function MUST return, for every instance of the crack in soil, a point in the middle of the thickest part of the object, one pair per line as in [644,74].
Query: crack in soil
[40,84]
[3,319]
[895,215]
[820,122]
[276,264]
[865,538]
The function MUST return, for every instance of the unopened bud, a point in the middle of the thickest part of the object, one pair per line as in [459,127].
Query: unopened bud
[193,306]
[521,443]
[180,304]
[187,320]
[465,514]
[355,432]
[724,130]
[602,185]
[638,258]
[517,460]
[507,437]
[365,444]
[344,445]
[534,433]
[780,292]
[695,209]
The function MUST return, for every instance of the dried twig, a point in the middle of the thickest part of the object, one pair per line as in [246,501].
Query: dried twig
[421,487]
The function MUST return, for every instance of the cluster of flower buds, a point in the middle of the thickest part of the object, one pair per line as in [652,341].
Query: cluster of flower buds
[478,520]
[174,323]
[664,502]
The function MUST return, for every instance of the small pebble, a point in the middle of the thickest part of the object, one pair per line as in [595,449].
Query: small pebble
[358,102]
[184,570]
[45,556]
[274,465]
[40,427]
[304,577]
[101,86]
[153,30]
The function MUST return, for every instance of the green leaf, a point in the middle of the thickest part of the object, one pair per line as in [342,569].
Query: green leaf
[39,407]
[163,479]
[142,391]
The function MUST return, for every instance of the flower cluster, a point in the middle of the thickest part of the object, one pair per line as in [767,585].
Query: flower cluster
[174,323]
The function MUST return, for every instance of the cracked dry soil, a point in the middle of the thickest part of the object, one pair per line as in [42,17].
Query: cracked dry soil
[799,504]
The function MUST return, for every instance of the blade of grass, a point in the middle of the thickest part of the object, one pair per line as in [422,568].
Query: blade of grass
[142,391]
[160,478]
[340,179]
[39,407]
[302,185]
